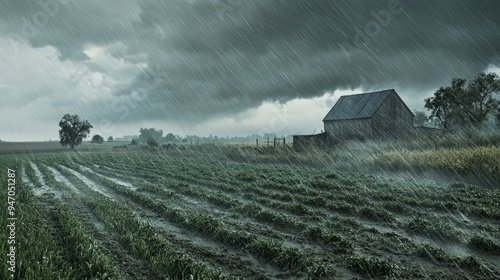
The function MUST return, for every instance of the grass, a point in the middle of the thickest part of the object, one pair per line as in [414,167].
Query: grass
[484,244]
[38,256]
[479,160]
[377,267]
[300,220]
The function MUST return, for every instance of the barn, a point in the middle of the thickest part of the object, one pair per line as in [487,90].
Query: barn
[369,115]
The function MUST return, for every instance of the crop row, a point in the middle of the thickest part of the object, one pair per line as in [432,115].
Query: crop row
[295,204]
[168,188]
[37,255]
[298,207]
[141,238]
[81,249]
[284,257]
[348,190]
[424,209]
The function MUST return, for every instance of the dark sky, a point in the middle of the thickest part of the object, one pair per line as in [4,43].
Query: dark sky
[227,67]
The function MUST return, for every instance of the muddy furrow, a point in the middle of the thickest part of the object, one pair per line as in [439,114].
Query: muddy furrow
[245,222]
[232,261]
[89,182]
[129,268]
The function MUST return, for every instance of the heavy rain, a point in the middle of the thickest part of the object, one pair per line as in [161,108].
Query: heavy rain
[231,139]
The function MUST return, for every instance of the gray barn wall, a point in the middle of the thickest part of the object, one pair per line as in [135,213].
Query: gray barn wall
[392,118]
[342,129]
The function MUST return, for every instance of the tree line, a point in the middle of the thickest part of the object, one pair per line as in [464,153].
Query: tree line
[463,104]
[466,104]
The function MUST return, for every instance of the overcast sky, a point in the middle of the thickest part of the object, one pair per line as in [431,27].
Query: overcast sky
[227,67]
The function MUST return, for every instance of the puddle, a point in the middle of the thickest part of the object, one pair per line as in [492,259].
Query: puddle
[87,182]
[44,190]
[60,178]
[117,181]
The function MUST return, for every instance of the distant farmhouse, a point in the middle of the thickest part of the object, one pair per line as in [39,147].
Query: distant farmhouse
[372,115]
[369,115]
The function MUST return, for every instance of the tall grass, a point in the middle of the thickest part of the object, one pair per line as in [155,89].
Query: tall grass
[478,161]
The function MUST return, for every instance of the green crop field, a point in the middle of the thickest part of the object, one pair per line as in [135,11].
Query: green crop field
[141,214]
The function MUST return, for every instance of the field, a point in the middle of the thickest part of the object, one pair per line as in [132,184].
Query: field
[141,214]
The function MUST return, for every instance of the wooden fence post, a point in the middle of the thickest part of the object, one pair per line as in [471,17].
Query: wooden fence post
[257,142]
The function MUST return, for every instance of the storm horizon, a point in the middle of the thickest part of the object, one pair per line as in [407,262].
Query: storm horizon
[227,68]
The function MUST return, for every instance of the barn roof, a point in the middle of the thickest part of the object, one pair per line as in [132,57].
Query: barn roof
[357,106]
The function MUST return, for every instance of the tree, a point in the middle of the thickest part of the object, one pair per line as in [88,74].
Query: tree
[152,142]
[446,103]
[73,130]
[110,139]
[170,137]
[420,118]
[147,133]
[466,104]
[98,139]
[480,97]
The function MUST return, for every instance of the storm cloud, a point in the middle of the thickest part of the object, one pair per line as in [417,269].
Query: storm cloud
[189,61]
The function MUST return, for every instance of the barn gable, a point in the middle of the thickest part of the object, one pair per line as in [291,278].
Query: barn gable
[357,106]
[373,114]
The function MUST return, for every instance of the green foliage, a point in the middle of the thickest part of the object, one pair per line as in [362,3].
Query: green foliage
[433,227]
[428,251]
[85,252]
[375,267]
[170,137]
[465,103]
[484,244]
[150,135]
[73,130]
[420,118]
[151,142]
[375,214]
[38,255]
[301,221]
[97,139]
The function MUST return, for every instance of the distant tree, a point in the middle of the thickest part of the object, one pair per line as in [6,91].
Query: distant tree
[147,133]
[73,130]
[98,139]
[110,139]
[466,104]
[184,140]
[420,118]
[152,142]
[170,137]
[134,142]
